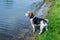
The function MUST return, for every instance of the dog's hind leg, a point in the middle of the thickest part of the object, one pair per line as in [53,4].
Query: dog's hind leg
[46,27]
[42,25]
[41,28]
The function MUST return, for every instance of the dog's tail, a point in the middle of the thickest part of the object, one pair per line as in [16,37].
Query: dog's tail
[46,20]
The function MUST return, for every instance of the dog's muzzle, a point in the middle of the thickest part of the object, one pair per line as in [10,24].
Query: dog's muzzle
[26,14]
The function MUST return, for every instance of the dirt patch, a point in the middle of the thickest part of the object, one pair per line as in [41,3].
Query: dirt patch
[31,38]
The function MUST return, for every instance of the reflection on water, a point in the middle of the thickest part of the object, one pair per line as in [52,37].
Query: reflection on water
[12,17]
[9,3]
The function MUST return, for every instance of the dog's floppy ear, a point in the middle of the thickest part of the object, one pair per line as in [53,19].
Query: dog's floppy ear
[30,13]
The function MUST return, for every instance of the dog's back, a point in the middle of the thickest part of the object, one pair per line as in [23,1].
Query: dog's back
[37,20]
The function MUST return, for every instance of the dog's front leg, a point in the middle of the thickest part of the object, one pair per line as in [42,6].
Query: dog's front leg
[33,26]
[32,23]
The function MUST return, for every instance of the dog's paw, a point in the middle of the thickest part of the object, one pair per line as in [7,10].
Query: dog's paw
[46,29]
[39,33]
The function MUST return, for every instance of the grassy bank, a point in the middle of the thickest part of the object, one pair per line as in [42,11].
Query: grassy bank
[53,25]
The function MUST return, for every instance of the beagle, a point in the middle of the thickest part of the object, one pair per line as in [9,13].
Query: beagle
[43,23]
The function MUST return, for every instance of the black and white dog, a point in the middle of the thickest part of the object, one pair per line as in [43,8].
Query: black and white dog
[37,21]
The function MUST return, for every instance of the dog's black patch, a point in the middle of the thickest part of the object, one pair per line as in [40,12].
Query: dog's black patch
[37,20]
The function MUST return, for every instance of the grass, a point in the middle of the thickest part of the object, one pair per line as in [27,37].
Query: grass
[53,32]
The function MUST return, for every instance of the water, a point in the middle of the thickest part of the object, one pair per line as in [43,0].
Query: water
[12,17]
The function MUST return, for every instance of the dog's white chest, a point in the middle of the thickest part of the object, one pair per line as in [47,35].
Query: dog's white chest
[31,20]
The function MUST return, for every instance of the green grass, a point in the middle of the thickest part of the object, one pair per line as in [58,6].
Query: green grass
[53,32]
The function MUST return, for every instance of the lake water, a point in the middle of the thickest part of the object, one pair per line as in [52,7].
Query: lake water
[12,17]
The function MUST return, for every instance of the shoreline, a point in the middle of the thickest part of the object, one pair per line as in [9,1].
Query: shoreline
[53,15]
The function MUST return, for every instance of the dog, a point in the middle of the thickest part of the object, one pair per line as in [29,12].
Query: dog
[43,23]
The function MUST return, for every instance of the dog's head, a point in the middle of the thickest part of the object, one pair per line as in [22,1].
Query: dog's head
[29,13]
